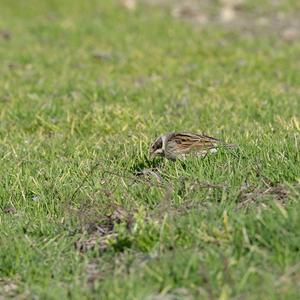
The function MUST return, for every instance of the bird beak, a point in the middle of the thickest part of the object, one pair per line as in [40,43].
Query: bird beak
[158,152]
[152,154]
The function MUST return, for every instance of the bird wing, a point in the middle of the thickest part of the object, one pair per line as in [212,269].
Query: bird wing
[182,143]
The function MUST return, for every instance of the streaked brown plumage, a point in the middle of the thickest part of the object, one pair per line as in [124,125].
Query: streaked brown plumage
[179,144]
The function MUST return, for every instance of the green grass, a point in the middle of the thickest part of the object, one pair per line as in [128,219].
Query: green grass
[85,87]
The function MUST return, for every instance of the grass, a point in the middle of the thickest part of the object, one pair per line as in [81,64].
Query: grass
[85,88]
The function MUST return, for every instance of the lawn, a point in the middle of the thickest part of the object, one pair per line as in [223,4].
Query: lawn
[86,87]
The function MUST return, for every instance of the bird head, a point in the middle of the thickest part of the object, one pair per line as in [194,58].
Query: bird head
[156,149]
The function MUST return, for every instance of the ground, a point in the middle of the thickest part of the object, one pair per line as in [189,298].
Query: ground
[85,87]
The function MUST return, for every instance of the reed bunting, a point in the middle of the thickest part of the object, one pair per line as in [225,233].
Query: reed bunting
[179,144]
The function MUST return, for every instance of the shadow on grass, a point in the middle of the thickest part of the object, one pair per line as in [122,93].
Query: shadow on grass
[146,163]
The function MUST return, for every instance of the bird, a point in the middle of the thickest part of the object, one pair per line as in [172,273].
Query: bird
[180,144]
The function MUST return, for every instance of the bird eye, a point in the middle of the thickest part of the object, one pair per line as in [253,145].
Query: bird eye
[157,144]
